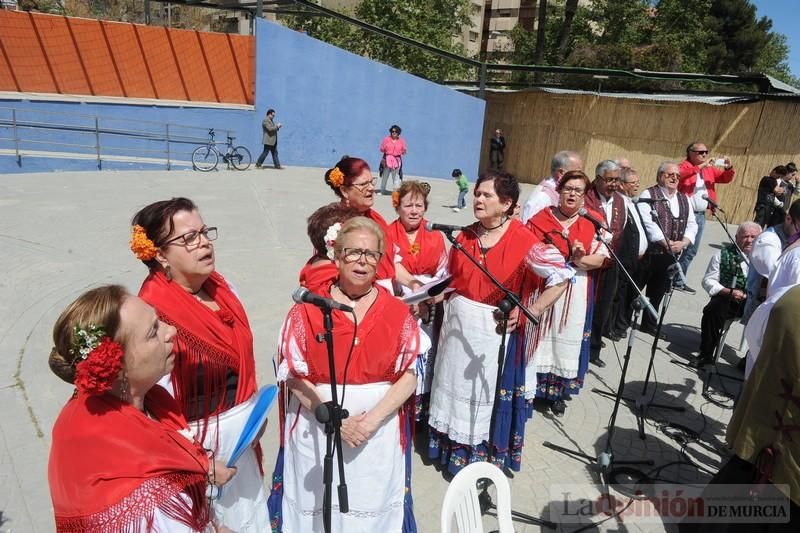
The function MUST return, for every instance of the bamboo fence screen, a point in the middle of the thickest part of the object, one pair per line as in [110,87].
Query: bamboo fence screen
[756,136]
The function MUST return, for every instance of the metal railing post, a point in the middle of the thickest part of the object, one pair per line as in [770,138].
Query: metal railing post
[482,82]
[97,141]
[16,138]
[169,163]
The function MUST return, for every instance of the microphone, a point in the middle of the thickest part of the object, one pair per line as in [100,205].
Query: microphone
[713,204]
[447,228]
[302,295]
[588,216]
[651,201]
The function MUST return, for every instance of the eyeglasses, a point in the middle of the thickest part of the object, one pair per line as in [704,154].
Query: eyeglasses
[701,152]
[609,180]
[395,131]
[351,255]
[192,238]
[363,186]
[577,190]
[671,174]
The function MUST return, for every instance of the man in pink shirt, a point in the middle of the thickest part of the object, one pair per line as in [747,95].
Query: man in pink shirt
[699,175]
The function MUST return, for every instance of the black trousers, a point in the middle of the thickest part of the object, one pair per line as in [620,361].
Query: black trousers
[658,283]
[718,310]
[267,149]
[604,303]
[622,314]
[496,159]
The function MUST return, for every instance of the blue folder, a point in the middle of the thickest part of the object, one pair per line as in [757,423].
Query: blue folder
[265,398]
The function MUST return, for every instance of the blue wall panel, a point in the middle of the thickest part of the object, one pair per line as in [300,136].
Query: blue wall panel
[331,103]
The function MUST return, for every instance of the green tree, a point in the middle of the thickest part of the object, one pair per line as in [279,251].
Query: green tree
[435,22]
[737,38]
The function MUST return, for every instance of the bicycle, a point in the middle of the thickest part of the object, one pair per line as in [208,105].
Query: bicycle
[206,158]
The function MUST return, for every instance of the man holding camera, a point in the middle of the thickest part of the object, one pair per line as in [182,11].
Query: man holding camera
[699,174]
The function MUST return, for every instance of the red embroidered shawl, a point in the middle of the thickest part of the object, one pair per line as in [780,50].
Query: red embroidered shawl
[111,466]
[219,341]
[424,256]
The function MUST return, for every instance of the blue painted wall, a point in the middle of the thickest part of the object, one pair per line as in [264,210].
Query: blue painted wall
[330,102]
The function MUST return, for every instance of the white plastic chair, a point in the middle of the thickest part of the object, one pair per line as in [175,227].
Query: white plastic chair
[461,500]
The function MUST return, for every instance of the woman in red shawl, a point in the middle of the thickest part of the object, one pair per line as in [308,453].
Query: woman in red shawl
[352,181]
[425,257]
[374,353]
[214,378]
[560,343]
[123,458]
[463,389]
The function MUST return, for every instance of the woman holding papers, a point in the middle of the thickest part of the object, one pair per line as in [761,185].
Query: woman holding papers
[123,457]
[561,358]
[351,180]
[374,350]
[214,377]
[463,390]
[424,256]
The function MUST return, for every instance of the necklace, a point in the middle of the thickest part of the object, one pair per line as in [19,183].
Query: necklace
[487,230]
[354,299]
[566,215]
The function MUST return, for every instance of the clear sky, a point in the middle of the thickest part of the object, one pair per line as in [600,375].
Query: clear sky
[785,15]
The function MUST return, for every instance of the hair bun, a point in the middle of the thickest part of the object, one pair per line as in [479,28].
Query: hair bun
[61,367]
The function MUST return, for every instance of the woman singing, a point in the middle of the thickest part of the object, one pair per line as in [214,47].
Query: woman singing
[374,357]
[214,378]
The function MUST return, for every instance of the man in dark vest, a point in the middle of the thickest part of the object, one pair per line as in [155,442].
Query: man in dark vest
[603,198]
[632,254]
[675,216]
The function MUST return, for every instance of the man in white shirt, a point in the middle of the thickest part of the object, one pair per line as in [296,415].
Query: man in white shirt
[674,214]
[632,254]
[725,282]
[545,194]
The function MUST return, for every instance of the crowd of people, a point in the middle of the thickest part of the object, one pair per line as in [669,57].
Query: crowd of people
[165,379]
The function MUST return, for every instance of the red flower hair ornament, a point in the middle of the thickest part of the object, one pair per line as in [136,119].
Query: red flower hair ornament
[97,360]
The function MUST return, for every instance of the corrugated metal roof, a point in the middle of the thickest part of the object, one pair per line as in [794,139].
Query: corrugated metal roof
[663,97]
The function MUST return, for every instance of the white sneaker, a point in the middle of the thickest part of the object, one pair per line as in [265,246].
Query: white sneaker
[456,210]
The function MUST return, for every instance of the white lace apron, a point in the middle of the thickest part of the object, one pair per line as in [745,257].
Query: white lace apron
[465,371]
[374,471]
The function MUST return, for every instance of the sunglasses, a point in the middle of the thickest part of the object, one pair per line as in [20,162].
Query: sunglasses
[701,152]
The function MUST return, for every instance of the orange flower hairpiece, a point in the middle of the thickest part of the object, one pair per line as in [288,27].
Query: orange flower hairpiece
[141,245]
[395,199]
[336,177]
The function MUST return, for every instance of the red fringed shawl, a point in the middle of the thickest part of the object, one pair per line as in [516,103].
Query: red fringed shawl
[111,466]
[386,266]
[318,277]
[505,260]
[218,340]
[424,255]
[388,344]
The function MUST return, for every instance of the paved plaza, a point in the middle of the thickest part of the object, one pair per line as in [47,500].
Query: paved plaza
[62,233]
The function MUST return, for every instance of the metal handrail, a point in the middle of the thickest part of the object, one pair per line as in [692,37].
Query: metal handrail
[91,125]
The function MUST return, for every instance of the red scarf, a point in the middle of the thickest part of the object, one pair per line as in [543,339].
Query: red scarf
[424,255]
[386,266]
[318,277]
[506,260]
[111,466]
[220,341]
[387,330]
[547,228]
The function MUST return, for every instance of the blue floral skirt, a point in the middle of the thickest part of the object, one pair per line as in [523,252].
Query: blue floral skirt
[513,411]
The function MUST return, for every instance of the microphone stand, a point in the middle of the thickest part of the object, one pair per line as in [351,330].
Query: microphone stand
[605,459]
[641,404]
[506,305]
[331,415]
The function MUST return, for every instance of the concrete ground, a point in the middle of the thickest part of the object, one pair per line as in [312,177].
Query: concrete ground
[62,233]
